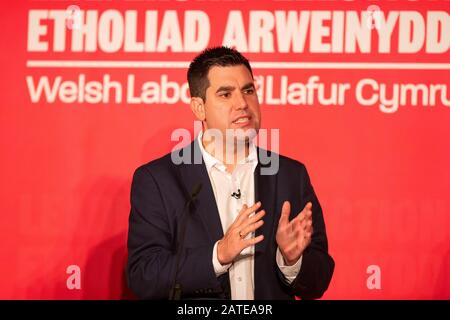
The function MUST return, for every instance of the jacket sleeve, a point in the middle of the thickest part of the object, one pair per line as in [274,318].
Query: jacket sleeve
[317,265]
[151,256]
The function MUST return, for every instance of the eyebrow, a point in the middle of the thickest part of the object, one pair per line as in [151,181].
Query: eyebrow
[231,88]
[248,86]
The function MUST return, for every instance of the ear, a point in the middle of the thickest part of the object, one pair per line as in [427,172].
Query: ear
[198,108]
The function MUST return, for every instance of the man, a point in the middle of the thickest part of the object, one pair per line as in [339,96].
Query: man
[220,227]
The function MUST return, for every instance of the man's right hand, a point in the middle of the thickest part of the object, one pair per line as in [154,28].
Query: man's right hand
[233,242]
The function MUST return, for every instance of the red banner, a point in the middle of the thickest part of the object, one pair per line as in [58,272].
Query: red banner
[359,91]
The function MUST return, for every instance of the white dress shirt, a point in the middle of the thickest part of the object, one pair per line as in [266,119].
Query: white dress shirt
[224,184]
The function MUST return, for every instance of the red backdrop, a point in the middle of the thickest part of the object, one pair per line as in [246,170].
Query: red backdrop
[68,150]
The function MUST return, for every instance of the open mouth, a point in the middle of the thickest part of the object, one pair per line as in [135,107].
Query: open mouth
[242,120]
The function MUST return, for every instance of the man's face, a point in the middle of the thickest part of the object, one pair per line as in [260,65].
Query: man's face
[231,100]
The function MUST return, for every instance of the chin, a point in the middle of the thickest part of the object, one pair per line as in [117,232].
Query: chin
[245,133]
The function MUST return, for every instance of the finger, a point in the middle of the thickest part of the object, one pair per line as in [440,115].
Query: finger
[308,206]
[307,215]
[308,237]
[297,223]
[305,234]
[251,228]
[304,216]
[307,210]
[285,211]
[300,228]
[299,219]
[307,229]
[246,211]
[305,221]
[308,221]
[306,225]
[253,219]
[298,231]
[253,241]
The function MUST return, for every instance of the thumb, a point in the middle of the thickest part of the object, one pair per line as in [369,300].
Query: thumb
[285,211]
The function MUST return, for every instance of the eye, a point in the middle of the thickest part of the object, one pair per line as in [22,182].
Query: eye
[225,94]
[249,91]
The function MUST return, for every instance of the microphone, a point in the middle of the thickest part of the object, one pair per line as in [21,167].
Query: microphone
[175,290]
[236,195]
[196,191]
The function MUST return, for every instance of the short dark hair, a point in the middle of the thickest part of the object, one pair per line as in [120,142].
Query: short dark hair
[222,56]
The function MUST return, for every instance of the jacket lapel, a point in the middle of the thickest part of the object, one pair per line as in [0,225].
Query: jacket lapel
[265,191]
[205,203]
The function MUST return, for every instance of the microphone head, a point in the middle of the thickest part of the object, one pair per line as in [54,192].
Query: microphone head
[196,190]
[236,195]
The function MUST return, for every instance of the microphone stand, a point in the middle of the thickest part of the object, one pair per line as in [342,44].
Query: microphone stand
[176,289]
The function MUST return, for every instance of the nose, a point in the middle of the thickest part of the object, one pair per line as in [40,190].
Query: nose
[240,102]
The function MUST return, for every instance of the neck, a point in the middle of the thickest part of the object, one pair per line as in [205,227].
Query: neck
[229,153]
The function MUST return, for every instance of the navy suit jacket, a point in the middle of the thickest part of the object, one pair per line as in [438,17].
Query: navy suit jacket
[159,193]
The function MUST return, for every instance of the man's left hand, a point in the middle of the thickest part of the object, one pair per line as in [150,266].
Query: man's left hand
[294,236]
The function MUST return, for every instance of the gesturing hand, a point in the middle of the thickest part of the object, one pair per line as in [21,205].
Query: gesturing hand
[294,236]
[233,242]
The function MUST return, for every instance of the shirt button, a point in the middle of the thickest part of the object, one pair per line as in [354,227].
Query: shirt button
[239,279]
